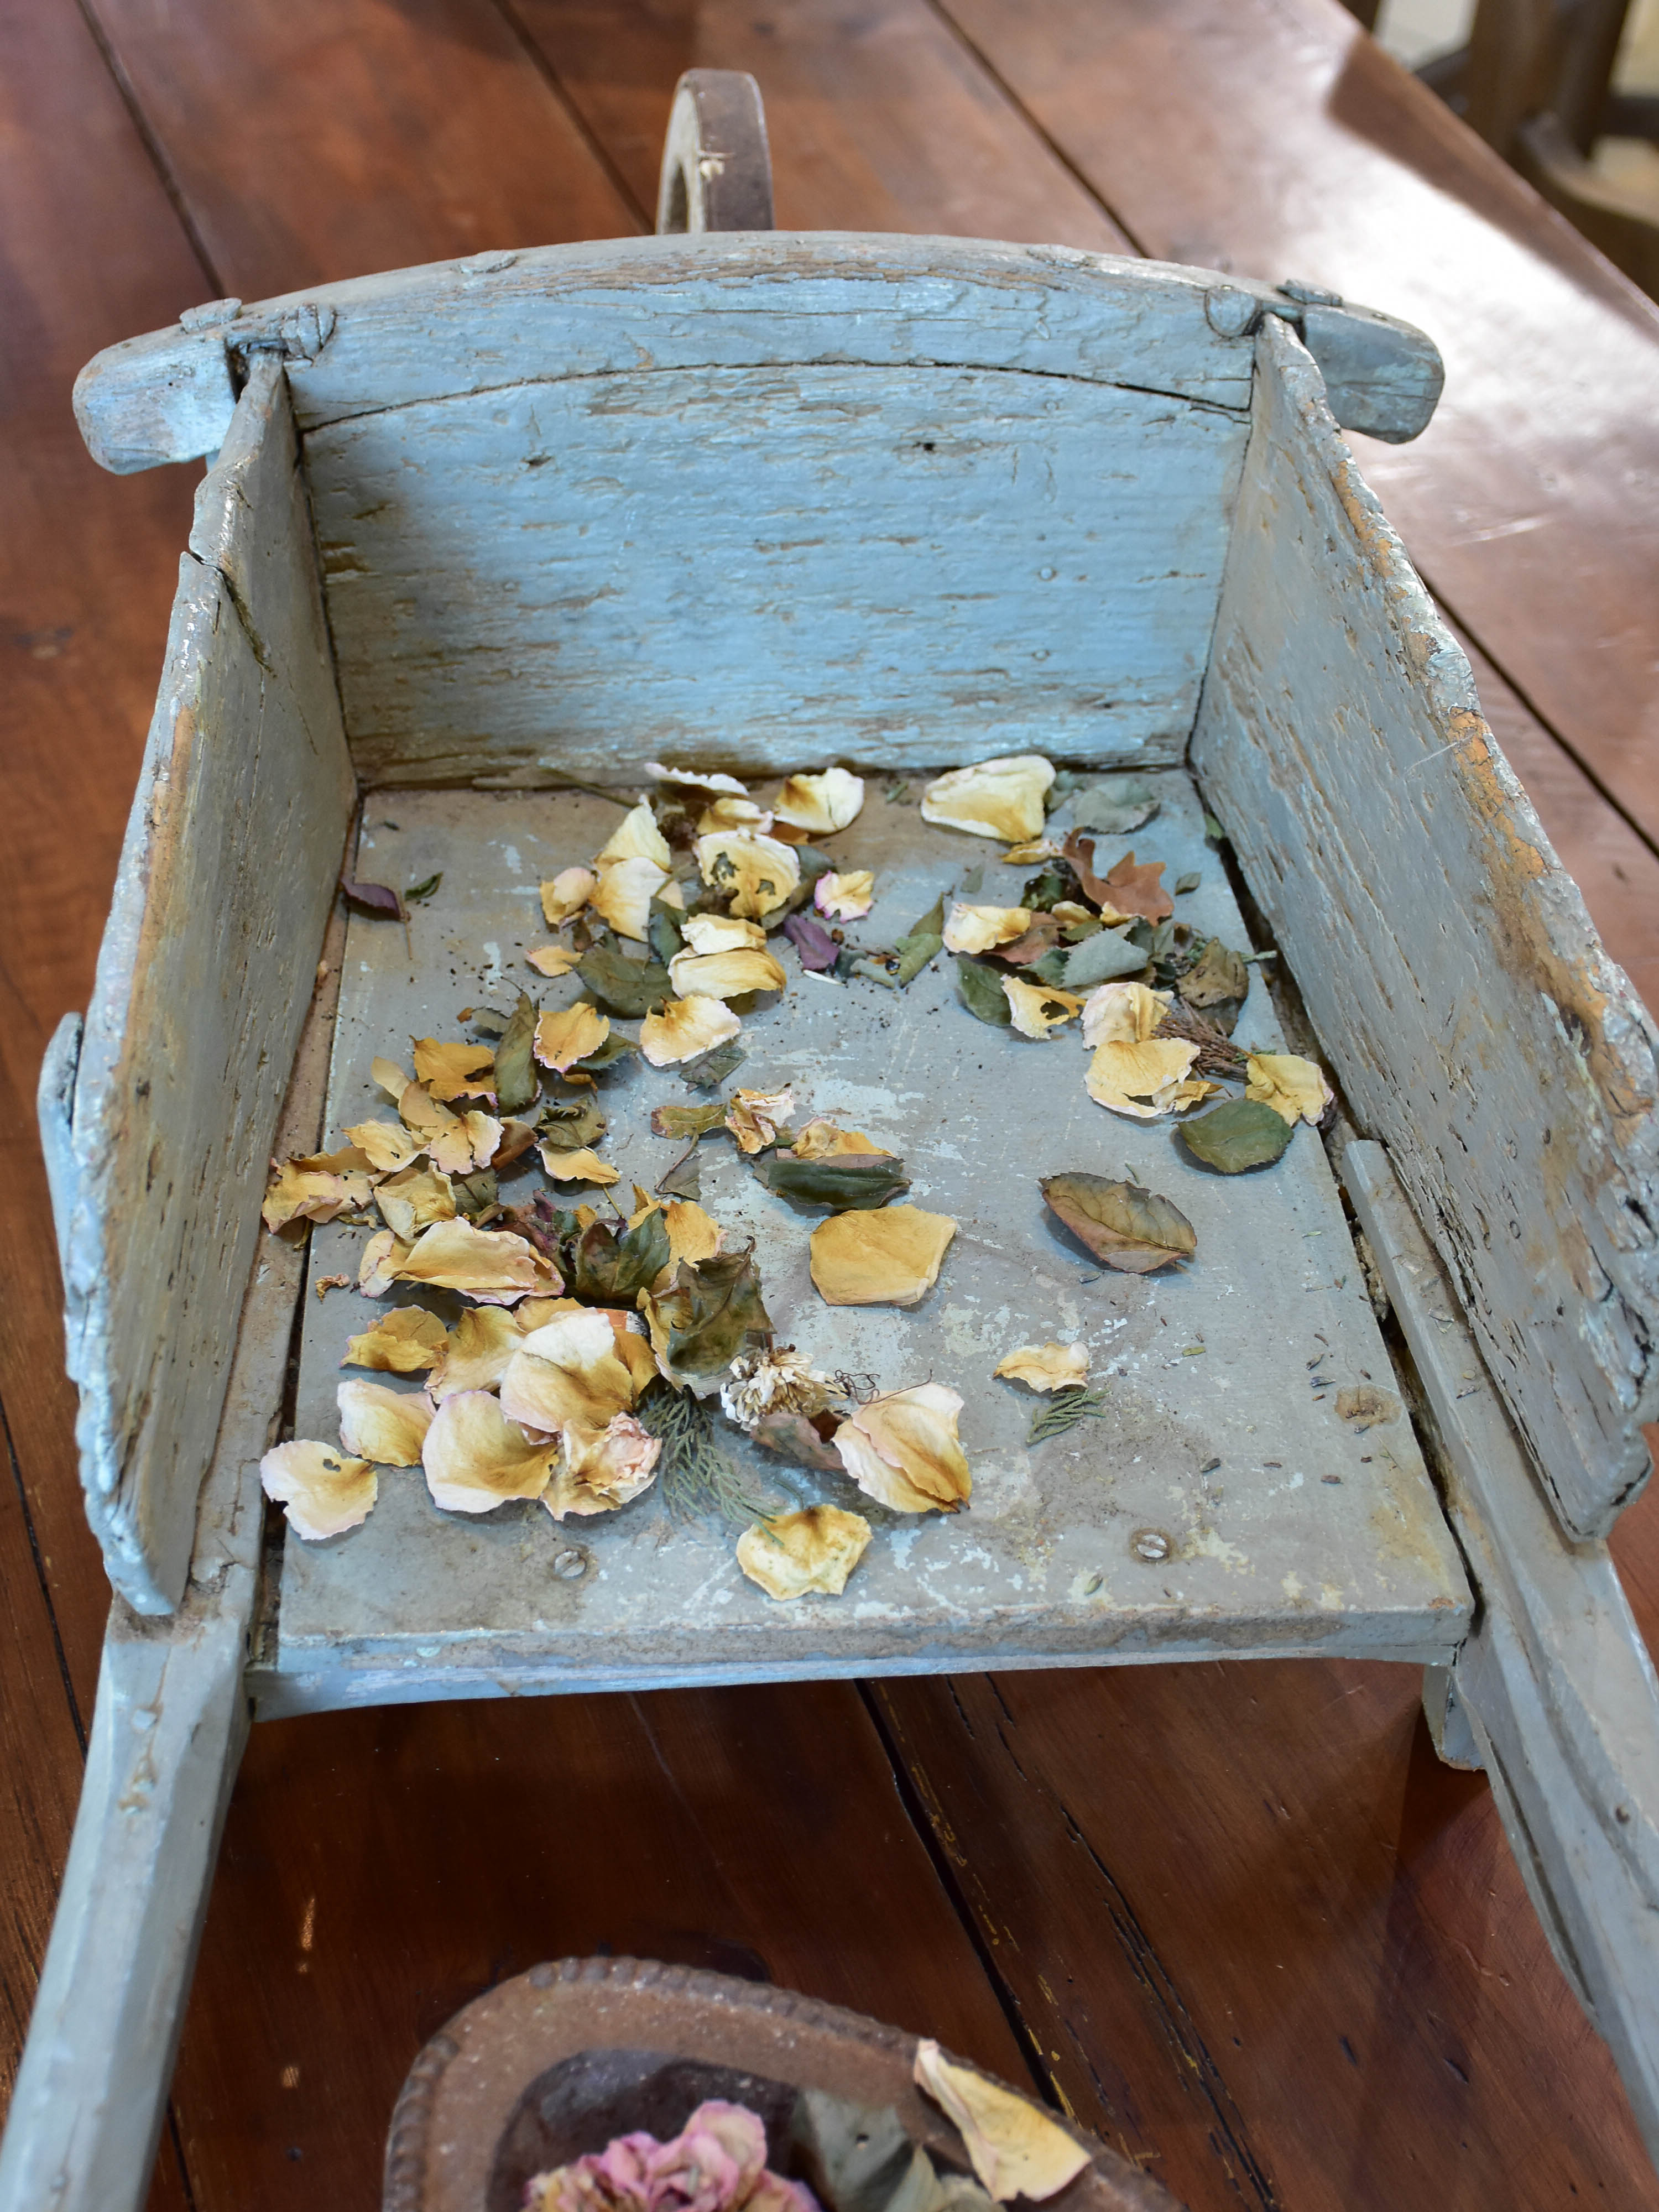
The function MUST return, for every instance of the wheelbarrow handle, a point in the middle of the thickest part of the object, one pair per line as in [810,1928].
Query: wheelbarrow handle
[716,164]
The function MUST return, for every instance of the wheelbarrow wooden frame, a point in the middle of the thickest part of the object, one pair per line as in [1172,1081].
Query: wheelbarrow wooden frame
[1498,1066]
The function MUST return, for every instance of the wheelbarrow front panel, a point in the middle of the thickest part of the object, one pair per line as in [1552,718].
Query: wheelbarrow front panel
[205,973]
[1447,960]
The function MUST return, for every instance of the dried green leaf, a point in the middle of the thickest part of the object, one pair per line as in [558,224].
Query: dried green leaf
[873,972]
[1125,1227]
[914,952]
[629,987]
[1213,832]
[711,1312]
[612,1269]
[1046,890]
[708,1073]
[1115,806]
[487,1019]
[475,1193]
[932,924]
[1243,1134]
[1216,984]
[518,1085]
[1189,882]
[845,1181]
[683,1180]
[1097,959]
[663,933]
[683,1121]
[424,891]
[982,993]
[569,1128]
[609,1053]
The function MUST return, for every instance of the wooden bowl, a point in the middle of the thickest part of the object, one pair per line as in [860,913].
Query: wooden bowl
[559,2060]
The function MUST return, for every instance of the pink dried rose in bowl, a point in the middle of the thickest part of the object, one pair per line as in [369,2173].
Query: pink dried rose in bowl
[717,2164]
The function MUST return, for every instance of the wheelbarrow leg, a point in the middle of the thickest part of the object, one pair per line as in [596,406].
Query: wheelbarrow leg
[167,1732]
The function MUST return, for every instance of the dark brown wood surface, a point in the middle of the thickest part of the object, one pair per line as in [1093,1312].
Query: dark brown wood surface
[1237,1917]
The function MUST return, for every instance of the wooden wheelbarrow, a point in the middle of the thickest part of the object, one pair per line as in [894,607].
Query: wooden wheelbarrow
[488,532]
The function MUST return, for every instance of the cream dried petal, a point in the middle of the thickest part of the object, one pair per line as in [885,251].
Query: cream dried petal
[757,1118]
[384,1145]
[571,1369]
[903,1450]
[322,1490]
[1016,2150]
[378,1270]
[684,1028]
[723,933]
[421,1113]
[725,975]
[1032,849]
[413,1199]
[583,1165]
[845,897]
[407,1340]
[602,1468]
[455,1070]
[390,1077]
[885,1257]
[491,1265]
[551,959]
[624,895]
[477,1352]
[636,837]
[999,798]
[563,1039]
[1048,1366]
[483,1134]
[979,928]
[1035,1010]
[1295,1088]
[377,1424]
[815,1549]
[568,892]
[823,1141]
[1142,1080]
[298,1193]
[476,1458]
[693,779]
[1123,1013]
[724,813]
[820,804]
[760,872]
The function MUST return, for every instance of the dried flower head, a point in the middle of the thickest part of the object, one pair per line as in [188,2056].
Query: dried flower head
[782,1381]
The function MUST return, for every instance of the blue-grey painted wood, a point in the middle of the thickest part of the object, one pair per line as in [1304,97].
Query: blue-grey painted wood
[204,979]
[1554,1682]
[1450,968]
[898,567]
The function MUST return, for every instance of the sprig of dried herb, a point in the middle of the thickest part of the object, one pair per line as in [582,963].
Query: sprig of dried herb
[695,1477]
[1065,1411]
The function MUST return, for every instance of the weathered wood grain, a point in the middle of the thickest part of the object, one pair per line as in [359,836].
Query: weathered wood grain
[1448,965]
[205,977]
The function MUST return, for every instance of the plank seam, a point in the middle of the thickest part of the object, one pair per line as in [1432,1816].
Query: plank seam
[67,1679]
[543,67]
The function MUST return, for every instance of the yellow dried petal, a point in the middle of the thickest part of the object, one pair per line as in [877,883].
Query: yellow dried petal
[1016,2150]
[815,1549]
[475,1356]
[996,799]
[845,897]
[390,1077]
[565,896]
[322,1490]
[602,1468]
[823,1141]
[885,1257]
[1123,1013]
[684,1028]
[377,1271]
[491,1265]
[725,975]
[551,960]
[760,871]
[1142,1080]
[413,1199]
[723,933]
[298,1193]
[902,1450]
[570,1370]
[820,804]
[978,928]
[1035,1010]
[623,894]
[483,1135]
[1295,1088]
[1033,849]
[726,813]
[563,1039]
[636,837]
[476,1457]
[407,1340]
[755,1117]
[383,1143]
[377,1424]
[1048,1366]
[584,1166]
[421,1113]
[455,1071]
[692,779]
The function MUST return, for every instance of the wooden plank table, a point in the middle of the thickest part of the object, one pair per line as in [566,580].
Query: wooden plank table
[1236,1916]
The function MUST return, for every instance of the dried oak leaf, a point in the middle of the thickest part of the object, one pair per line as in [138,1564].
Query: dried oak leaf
[1042,938]
[563,1039]
[1123,1013]
[685,1029]
[1047,1366]
[812,1550]
[568,1369]
[1000,799]
[490,1264]
[710,1314]
[820,805]
[889,1257]
[1016,2149]
[981,928]
[565,896]
[455,1071]
[1127,891]
[1295,1088]
[1243,1134]
[758,1118]
[413,1199]
[377,1424]
[1132,1230]
[902,1450]
[760,872]
[1035,1009]
[477,1352]
[600,1469]
[322,1490]
[1146,1081]
[725,975]
[476,1458]
[845,895]
[623,894]
[407,1340]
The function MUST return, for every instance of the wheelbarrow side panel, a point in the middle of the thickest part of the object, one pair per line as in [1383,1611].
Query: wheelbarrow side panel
[1447,963]
[204,979]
